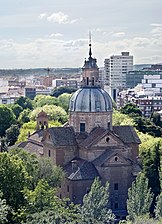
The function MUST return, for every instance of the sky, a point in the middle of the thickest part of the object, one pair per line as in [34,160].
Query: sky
[55,33]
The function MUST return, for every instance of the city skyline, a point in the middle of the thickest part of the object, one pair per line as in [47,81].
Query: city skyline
[55,33]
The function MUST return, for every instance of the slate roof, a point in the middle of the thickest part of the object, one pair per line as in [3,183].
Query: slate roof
[31,147]
[127,134]
[37,135]
[85,170]
[103,157]
[96,134]
[62,136]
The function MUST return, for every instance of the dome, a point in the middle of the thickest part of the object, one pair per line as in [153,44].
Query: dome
[90,99]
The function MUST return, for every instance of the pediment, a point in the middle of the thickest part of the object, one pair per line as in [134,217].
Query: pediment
[116,160]
[109,139]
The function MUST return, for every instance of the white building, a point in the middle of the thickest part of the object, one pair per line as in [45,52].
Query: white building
[116,69]
[152,84]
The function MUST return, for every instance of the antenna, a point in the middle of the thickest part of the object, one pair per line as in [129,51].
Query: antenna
[90,51]
[90,37]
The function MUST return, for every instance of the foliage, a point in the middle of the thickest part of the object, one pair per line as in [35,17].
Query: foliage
[63,100]
[30,162]
[24,102]
[61,212]
[139,198]
[3,210]
[155,118]
[131,108]
[30,127]
[42,197]
[55,113]
[121,119]
[151,165]
[144,219]
[12,134]
[146,126]
[24,116]
[42,100]
[7,118]
[27,128]
[94,209]
[17,109]
[52,174]
[158,208]
[63,89]
[13,179]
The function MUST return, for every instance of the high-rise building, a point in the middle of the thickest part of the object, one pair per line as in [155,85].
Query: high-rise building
[116,69]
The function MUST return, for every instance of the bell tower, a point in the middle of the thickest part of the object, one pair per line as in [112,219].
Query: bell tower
[42,120]
[90,70]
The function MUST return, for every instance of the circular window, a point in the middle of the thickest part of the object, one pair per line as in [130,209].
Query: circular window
[107,139]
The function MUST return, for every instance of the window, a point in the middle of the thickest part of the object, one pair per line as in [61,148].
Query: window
[107,139]
[87,81]
[153,85]
[98,105]
[49,153]
[116,187]
[92,81]
[116,159]
[68,188]
[82,127]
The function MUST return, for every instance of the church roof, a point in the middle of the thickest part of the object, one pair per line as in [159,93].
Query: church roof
[37,135]
[103,157]
[62,136]
[93,136]
[84,170]
[31,147]
[127,134]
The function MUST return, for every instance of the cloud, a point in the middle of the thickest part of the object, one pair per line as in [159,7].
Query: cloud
[57,17]
[42,16]
[157,31]
[56,35]
[57,52]
[155,24]
[118,34]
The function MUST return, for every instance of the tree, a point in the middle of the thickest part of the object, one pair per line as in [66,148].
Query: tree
[130,108]
[42,197]
[24,102]
[13,179]
[7,118]
[122,119]
[55,113]
[63,89]
[63,100]
[47,171]
[12,134]
[139,198]
[94,208]
[4,208]
[17,109]
[61,212]
[151,165]
[156,119]
[158,207]
[24,116]
[41,100]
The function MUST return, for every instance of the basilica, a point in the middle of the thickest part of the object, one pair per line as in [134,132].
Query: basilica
[89,146]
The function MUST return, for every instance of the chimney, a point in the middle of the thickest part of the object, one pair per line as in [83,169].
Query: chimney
[74,165]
